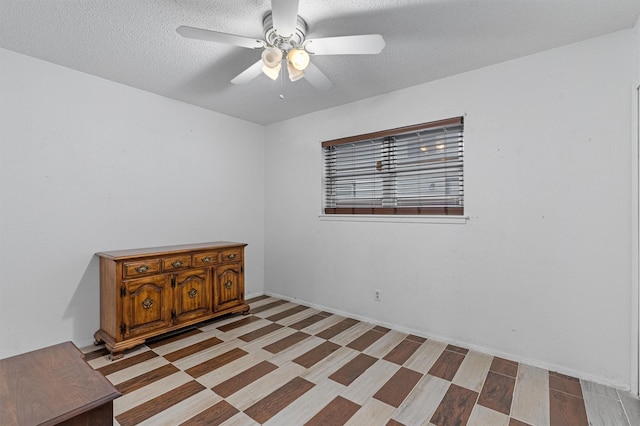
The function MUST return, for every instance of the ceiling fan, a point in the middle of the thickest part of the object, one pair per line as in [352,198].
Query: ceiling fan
[285,41]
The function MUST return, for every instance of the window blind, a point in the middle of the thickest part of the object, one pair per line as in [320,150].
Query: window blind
[412,170]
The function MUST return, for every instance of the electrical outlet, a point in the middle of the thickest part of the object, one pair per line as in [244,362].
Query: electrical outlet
[376,296]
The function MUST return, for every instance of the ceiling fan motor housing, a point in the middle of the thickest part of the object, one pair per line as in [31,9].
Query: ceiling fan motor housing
[272,38]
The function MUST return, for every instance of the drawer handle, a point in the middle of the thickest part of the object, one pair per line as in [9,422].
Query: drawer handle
[177,263]
[232,256]
[193,293]
[147,303]
[142,269]
[228,284]
[206,259]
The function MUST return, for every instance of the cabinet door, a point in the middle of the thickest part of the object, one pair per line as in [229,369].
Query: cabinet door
[146,305]
[228,287]
[192,295]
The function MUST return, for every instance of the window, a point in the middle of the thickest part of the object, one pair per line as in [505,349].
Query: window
[414,170]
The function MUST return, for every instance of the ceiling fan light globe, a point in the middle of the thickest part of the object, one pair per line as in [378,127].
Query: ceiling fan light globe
[294,74]
[272,72]
[298,58]
[272,57]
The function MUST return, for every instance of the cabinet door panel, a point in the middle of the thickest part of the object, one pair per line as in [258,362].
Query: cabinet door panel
[228,287]
[146,305]
[192,295]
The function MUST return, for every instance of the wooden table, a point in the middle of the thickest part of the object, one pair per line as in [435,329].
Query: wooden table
[53,386]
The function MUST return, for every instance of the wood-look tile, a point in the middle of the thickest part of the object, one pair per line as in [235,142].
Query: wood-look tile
[306,322]
[99,353]
[604,411]
[212,416]
[295,351]
[205,355]
[136,370]
[214,363]
[270,405]
[447,365]
[631,406]
[126,362]
[458,349]
[286,342]
[227,371]
[565,384]
[566,409]
[259,389]
[504,367]
[261,332]
[337,412]
[369,382]
[286,313]
[419,406]
[482,416]
[401,353]
[239,323]
[425,356]
[497,392]
[385,344]
[347,336]
[597,388]
[158,404]
[256,299]
[146,379]
[183,409]
[324,324]
[396,389]
[417,339]
[531,396]
[192,349]
[267,306]
[316,354]
[516,422]
[365,340]
[248,376]
[320,371]
[353,369]
[137,397]
[456,407]
[171,338]
[473,371]
[373,413]
[392,422]
[292,319]
[338,328]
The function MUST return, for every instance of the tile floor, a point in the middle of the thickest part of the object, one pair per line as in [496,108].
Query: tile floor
[287,364]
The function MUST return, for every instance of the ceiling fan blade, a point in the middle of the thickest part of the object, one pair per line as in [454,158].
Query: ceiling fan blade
[368,44]
[208,35]
[317,78]
[249,74]
[285,16]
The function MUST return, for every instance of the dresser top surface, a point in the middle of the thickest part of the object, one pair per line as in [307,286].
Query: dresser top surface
[50,385]
[164,250]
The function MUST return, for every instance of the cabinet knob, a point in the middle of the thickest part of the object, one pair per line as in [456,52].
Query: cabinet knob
[228,284]
[206,259]
[147,303]
[142,269]
[232,256]
[177,263]
[193,293]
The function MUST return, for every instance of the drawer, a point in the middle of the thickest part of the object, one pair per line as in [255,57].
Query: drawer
[143,267]
[205,259]
[231,255]
[176,262]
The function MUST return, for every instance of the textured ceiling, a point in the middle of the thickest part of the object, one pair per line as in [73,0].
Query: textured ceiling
[134,42]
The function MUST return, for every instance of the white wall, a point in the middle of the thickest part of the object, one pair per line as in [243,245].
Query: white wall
[88,165]
[541,271]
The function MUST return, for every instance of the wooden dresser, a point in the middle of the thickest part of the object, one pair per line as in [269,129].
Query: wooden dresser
[151,291]
[53,386]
